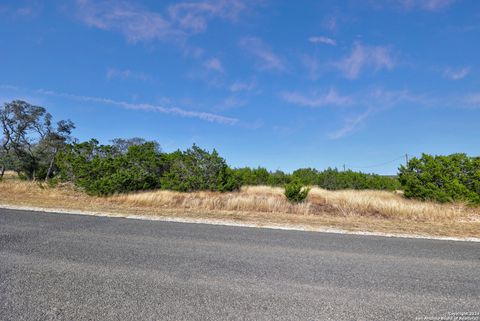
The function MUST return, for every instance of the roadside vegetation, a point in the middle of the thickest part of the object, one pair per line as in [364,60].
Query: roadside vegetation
[356,210]
[41,164]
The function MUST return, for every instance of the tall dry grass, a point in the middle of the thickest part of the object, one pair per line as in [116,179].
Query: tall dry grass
[248,199]
[347,205]
[392,205]
[380,204]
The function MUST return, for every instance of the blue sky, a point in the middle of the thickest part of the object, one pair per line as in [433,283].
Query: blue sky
[281,84]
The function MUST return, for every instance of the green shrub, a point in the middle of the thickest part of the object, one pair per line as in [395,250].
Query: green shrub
[296,192]
[442,178]
[105,170]
[196,169]
[138,165]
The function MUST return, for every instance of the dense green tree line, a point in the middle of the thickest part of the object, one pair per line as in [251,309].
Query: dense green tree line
[135,164]
[331,179]
[132,165]
[37,149]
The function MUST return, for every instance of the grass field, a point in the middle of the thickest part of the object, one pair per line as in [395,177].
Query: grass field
[374,211]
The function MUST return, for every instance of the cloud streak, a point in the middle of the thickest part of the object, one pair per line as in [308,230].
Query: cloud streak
[134,22]
[375,101]
[350,125]
[330,98]
[28,11]
[266,58]
[390,98]
[214,64]
[146,107]
[322,40]
[376,57]
[176,23]
[456,74]
[194,16]
[113,73]
[175,111]
[361,105]
[239,86]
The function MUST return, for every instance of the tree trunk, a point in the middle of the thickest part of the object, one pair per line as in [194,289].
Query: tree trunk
[50,166]
[2,172]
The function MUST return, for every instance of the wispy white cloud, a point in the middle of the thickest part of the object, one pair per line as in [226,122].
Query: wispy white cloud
[379,98]
[175,23]
[350,125]
[175,111]
[239,86]
[322,39]
[383,99]
[113,73]
[377,57]
[194,16]
[330,98]
[214,64]
[361,105]
[134,22]
[456,74]
[374,101]
[146,107]
[266,58]
[29,10]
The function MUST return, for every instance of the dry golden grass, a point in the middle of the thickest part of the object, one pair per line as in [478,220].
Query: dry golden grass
[354,210]
[249,199]
[381,204]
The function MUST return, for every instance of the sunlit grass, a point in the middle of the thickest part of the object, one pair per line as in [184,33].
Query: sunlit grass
[350,209]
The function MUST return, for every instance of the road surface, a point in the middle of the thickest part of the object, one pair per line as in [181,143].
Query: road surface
[74,267]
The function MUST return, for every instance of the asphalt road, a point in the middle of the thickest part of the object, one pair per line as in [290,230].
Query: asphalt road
[73,267]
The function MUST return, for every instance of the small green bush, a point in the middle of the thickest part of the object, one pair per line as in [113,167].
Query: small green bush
[296,192]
